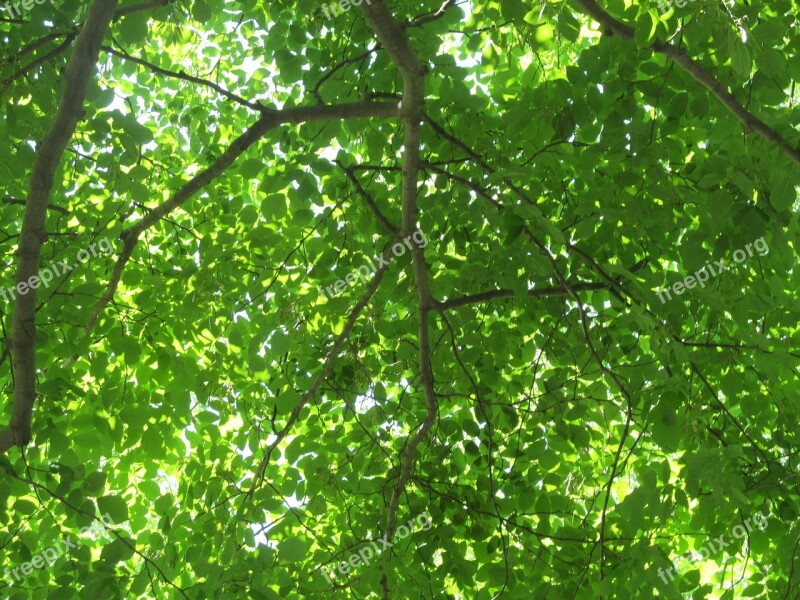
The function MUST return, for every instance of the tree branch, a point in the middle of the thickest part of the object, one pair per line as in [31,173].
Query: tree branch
[330,360]
[382,219]
[21,202]
[190,78]
[48,156]
[393,39]
[35,45]
[679,55]
[35,63]
[534,293]
[269,120]
[70,36]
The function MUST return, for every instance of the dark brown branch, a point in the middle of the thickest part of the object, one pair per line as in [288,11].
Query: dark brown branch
[615,468]
[394,41]
[32,236]
[330,360]
[8,200]
[190,78]
[688,64]
[387,225]
[42,59]
[713,393]
[479,191]
[499,294]
[70,36]
[35,45]
[431,16]
[94,518]
[341,65]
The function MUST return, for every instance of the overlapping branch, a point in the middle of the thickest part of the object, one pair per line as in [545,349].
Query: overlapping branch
[69,38]
[19,430]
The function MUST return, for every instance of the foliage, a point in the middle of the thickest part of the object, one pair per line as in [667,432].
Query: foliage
[517,379]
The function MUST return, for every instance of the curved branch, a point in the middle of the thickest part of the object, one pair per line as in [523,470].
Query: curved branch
[269,120]
[95,519]
[382,219]
[35,63]
[35,45]
[70,36]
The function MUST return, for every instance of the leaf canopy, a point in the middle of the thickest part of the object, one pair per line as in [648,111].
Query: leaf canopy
[397,300]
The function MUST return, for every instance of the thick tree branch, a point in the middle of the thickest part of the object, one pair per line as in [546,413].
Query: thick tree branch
[48,156]
[393,39]
[679,55]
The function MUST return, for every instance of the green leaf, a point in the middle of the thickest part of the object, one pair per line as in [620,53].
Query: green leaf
[546,363]
[115,507]
[741,61]
[116,551]
[292,549]
[645,30]
[133,28]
